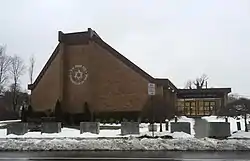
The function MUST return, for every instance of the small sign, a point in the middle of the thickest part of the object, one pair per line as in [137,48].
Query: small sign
[151,89]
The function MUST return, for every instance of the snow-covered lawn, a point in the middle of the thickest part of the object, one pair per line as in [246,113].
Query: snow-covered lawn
[74,133]
[124,144]
[115,133]
[240,135]
[110,139]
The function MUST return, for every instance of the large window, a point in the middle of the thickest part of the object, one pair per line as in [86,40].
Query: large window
[198,107]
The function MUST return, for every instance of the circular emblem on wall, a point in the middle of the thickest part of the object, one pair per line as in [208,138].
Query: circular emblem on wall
[78,74]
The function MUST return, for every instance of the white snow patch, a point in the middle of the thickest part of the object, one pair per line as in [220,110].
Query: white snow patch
[181,135]
[124,144]
[240,135]
[9,121]
[65,133]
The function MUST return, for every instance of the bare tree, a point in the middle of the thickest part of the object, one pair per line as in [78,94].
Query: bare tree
[188,85]
[17,69]
[233,97]
[4,67]
[31,68]
[201,81]
[238,107]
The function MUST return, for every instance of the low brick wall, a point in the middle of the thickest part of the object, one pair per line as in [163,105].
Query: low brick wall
[92,127]
[180,127]
[51,127]
[130,128]
[17,128]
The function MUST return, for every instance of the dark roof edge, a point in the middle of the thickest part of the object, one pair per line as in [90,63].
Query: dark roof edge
[122,58]
[92,35]
[227,90]
[169,83]
[45,67]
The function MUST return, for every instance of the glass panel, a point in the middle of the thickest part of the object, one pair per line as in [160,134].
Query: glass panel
[206,103]
[180,103]
[180,108]
[201,110]
[207,112]
[212,103]
[187,112]
[187,104]
[192,111]
[193,104]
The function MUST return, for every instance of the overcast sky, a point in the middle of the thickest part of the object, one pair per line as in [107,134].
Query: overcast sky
[175,39]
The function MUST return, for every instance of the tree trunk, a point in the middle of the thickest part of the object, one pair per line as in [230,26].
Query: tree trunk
[245,119]
[14,96]
[160,126]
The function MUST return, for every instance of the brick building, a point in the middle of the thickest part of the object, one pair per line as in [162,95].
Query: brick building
[84,69]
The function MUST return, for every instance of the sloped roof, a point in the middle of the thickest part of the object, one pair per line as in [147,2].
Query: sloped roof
[84,38]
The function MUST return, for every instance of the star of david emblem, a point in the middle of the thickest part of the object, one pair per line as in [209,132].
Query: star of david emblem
[78,74]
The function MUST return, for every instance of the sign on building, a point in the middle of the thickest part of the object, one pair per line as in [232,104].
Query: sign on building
[151,89]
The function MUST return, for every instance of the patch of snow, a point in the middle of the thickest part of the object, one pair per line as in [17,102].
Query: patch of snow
[240,135]
[65,133]
[181,135]
[109,133]
[108,124]
[1,124]
[124,144]
[9,121]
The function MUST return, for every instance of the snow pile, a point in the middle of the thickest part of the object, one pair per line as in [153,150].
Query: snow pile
[65,133]
[123,144]
[9,121]
[240,135]
[181,135]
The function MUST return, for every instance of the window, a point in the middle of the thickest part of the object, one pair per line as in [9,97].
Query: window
[212,103]
[187,104]
[180,104]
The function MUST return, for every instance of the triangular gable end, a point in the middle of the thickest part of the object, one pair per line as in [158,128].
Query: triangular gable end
[83,38]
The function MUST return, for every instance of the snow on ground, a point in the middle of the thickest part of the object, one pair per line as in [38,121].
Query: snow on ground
[115,133]
[9,121]
[71,139]
[74,133]
[240,135]
[65,133]
[124,144]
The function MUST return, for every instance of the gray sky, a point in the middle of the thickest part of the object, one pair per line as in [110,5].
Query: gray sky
[175,39]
